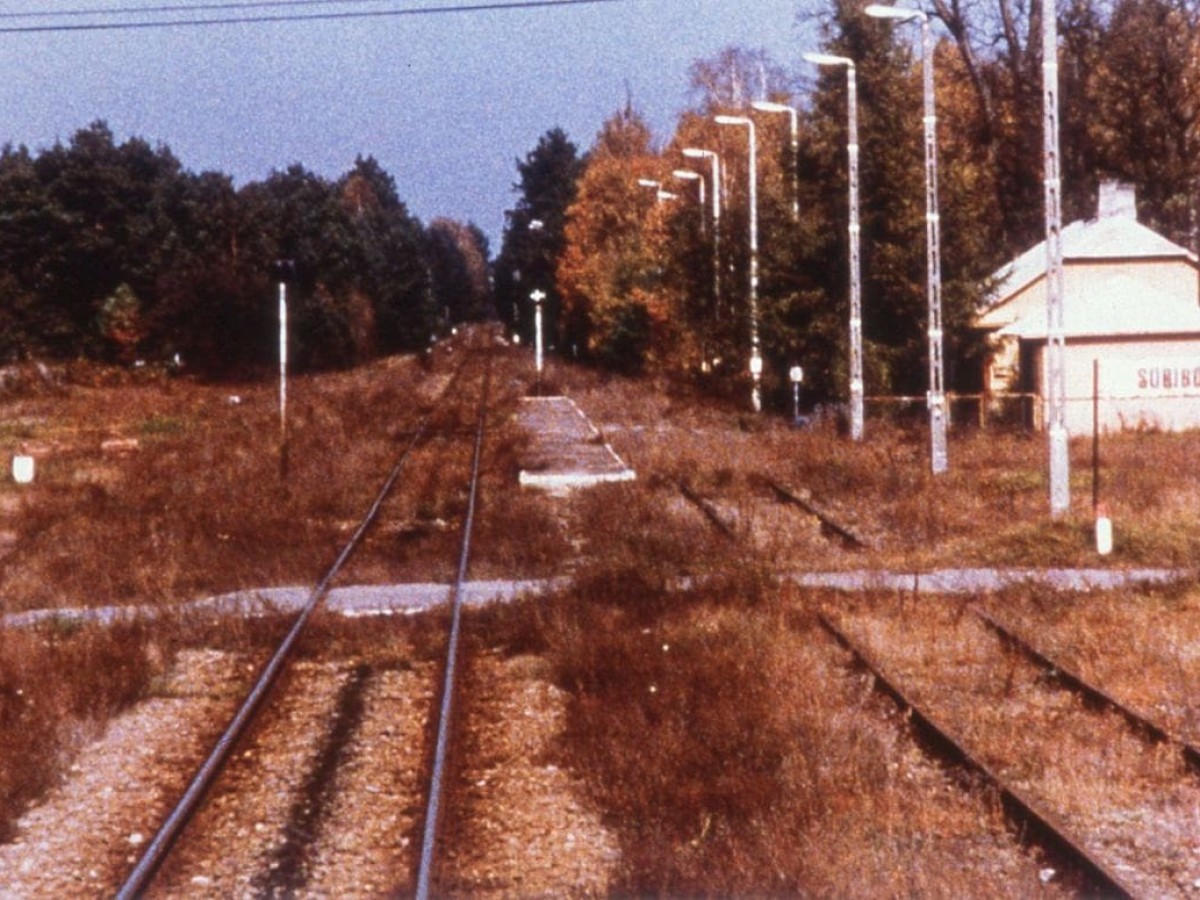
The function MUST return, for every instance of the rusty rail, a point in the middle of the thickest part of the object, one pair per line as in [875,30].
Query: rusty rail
[1051,832]
[1076,682]
[159,848]
[848,536]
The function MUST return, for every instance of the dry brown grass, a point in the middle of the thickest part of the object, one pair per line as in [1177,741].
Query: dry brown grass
[1157,670]
[743,758]
[734,756]
[46,715]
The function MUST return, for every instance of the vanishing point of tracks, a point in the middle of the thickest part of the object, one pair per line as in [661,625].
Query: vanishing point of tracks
[284,874]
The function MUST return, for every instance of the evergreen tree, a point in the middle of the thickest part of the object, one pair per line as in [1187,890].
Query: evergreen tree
[534,234]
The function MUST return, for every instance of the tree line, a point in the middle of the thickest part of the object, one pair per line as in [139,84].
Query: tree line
[114,251]
[638,278]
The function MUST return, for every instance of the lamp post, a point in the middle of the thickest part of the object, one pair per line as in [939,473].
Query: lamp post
[856,353]
[659,194]
[1059,439]
[284,270]
[937,392]
[539,348]
[794,145]
[755,351]
[715,177]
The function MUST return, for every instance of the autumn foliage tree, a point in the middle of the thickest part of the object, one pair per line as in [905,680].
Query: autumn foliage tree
[616,308]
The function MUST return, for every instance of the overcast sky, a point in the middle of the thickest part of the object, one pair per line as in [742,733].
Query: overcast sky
[446,102]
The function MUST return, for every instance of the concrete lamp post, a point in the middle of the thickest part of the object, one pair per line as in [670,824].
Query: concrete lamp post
[715,193]
[937,393]
[538,297]
[856,351]
[756,363]
[793,115]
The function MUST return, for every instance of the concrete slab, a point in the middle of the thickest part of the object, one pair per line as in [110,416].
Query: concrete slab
[566,451]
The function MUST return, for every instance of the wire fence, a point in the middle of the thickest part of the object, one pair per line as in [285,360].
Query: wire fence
[1028,411]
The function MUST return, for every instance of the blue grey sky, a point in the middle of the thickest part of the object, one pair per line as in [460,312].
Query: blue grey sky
[446,102]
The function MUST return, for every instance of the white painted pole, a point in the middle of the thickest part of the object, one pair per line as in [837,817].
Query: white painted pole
[856,353]
[283,361]
[1056,380]
[756,361]
[539,352]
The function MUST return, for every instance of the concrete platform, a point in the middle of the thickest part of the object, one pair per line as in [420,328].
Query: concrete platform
[566,451]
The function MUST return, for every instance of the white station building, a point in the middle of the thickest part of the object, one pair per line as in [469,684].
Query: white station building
[1131,311]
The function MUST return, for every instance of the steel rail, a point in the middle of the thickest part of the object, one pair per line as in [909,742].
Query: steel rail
[707,507]
[172,827]
[433,809]
[1053,833]
[827,521]
[1076,682]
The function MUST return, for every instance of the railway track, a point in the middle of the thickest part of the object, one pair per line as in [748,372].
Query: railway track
[1072,774]
[315,719]
[1142,723]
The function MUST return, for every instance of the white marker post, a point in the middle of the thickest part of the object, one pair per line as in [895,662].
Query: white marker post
[283,430]
[796,374]
[22,468]
[537,297]
[283,268]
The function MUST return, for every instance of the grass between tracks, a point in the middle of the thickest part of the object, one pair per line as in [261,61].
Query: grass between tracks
[697,714]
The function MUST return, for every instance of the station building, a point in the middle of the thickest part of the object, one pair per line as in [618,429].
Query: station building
[1131,311]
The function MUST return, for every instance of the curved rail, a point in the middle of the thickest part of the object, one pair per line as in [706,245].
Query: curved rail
[1052,833]
[172,827]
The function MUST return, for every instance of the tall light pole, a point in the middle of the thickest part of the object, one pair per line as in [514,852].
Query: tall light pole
[715,189]
[756,362]
[937,390]
[1060,475]
[285,270]
[794,146]
[856,351]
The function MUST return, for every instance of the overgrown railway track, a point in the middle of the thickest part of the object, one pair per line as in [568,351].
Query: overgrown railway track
[323,739]
[1142,723]
[1044,825]
[1075,769]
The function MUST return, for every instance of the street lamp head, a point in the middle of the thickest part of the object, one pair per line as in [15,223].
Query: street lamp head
[828,59]
[732,120]
[697,153]
[771,106]
[880,11]
[686,174]
[649,183]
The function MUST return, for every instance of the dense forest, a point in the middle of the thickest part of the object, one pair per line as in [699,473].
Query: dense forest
[114,251]
[639,278]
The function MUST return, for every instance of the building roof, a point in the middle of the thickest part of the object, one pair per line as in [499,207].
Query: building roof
[1120,305]
[1112,238]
